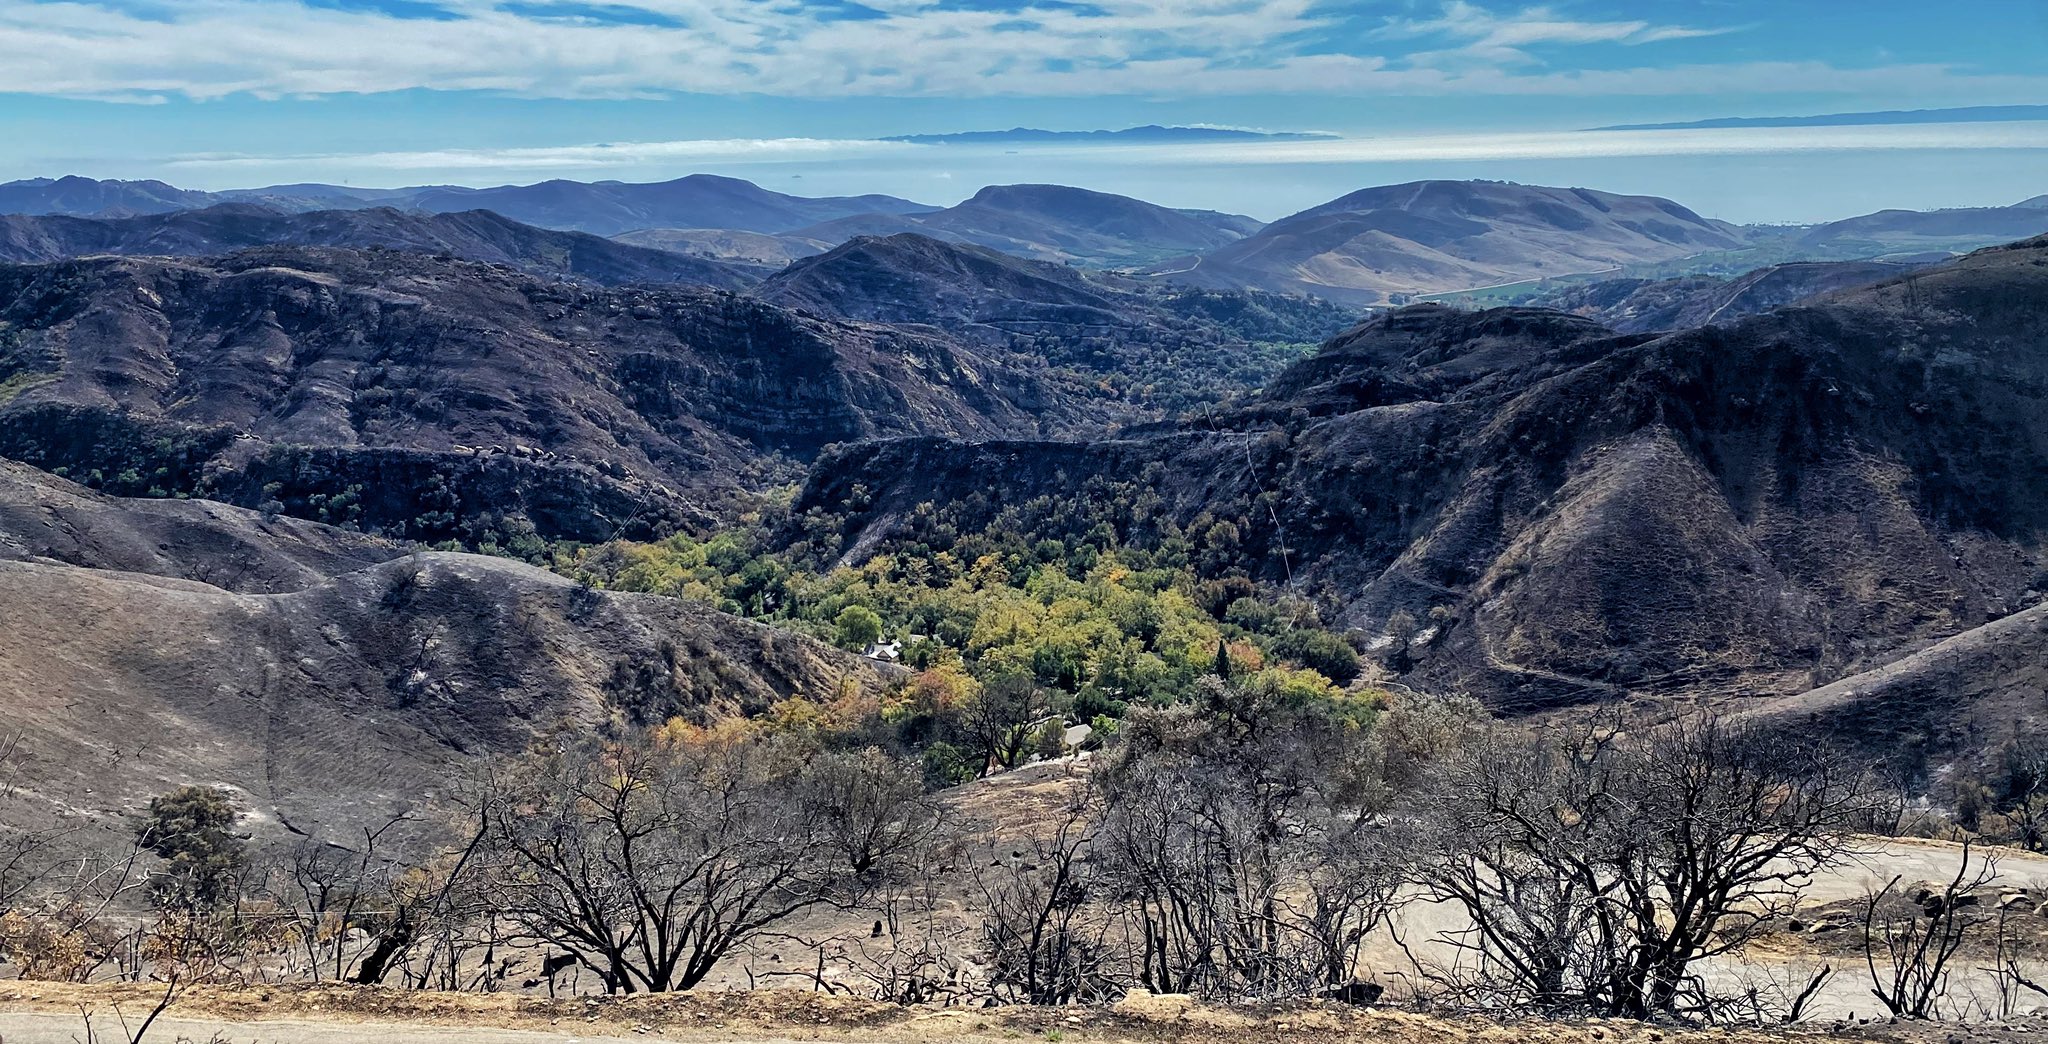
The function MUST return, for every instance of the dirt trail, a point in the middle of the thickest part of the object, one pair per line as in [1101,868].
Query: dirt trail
[49,1013]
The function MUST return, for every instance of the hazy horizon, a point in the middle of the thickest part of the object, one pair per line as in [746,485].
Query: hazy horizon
[793,94]
[1747,175]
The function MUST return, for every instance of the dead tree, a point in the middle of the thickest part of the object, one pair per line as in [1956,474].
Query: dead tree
[1920,935]
[1596,868]
[1224,827]
[1042,939]
[651,861]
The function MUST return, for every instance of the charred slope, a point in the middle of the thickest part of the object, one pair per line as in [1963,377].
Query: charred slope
[1650,306]
[353,698]
[1166,349]
[1965,694]
[726,244]
[1439,236]
[328,675]
[911,278]
[477,235]
[431,397]
[1520,504]
[47,519]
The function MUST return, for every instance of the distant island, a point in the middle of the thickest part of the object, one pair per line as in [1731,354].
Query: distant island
[1150,134]
[1967,114]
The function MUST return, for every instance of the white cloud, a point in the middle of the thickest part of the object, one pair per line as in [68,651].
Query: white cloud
[486,164]
[1489,39]
[1612,144]
[1488,30]
[141,49]
[564,157]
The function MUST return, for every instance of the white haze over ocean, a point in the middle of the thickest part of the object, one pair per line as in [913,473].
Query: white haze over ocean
[1776,174]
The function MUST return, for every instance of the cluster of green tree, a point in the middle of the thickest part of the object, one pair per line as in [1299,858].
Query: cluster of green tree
[1011,627]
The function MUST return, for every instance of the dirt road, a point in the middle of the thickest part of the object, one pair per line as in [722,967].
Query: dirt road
[58,1028]
[48,1013]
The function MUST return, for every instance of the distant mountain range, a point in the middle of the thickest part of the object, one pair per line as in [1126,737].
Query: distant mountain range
[1377,246]
[1381,244]
[603,208]
[476,235]
[1150,134]
[1966,114]
[696,201]
[86,197]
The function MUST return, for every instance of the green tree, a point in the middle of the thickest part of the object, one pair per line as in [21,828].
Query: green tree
[859,627]
[192,830]
[1323,652]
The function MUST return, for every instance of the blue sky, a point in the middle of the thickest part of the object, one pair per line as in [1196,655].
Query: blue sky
[213,93]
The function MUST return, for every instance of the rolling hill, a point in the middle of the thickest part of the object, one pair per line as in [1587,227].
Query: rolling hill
[1384,244]
[1910,231]
[1055,223]
[726,244]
